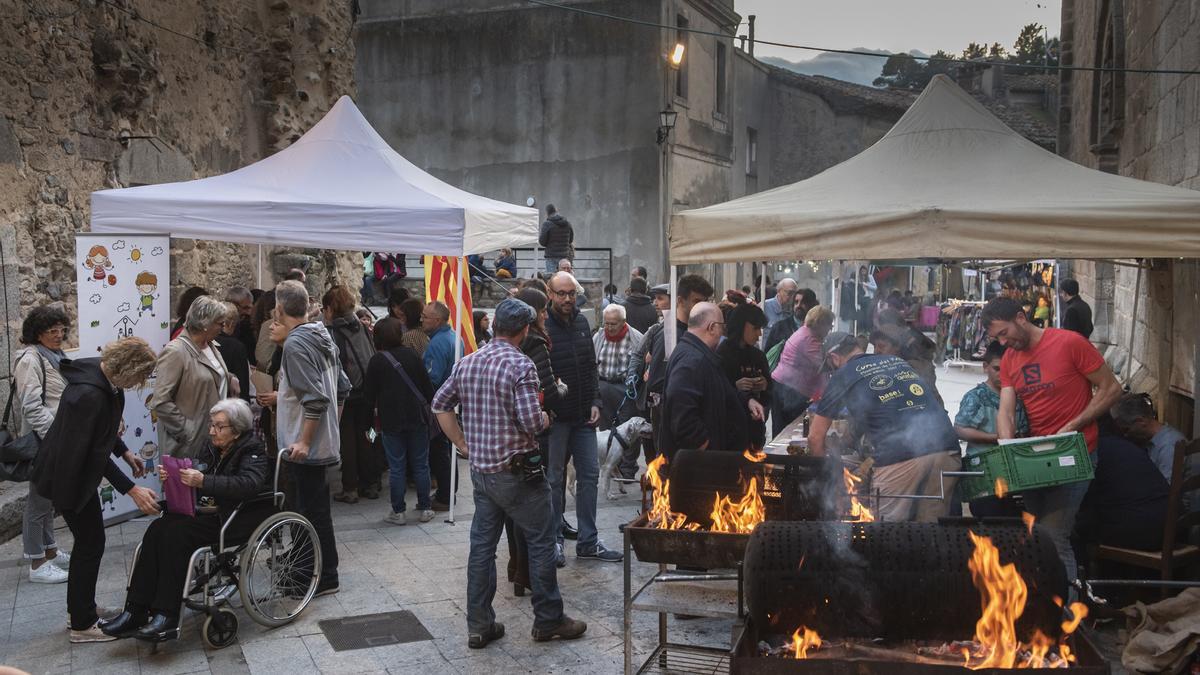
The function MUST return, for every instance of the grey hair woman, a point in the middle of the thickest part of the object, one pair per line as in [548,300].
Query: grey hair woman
[192,377]
[232,469]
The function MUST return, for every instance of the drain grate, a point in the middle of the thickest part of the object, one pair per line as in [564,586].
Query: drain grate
[373,630]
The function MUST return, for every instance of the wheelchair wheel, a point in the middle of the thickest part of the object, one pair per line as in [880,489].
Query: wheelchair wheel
[219,629]
[279,568]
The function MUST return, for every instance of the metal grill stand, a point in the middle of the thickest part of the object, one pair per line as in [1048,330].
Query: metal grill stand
[704,594]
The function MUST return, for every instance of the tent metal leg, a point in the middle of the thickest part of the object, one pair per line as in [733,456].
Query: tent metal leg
[460,332]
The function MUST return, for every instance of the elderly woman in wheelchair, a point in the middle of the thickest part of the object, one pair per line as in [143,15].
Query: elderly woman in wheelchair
[241,534]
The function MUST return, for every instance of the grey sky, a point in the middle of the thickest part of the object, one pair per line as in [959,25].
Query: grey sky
[924,25]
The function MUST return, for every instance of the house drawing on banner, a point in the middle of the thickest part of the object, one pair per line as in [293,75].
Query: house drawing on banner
[125,327]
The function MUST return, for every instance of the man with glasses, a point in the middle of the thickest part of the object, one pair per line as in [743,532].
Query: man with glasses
[701,409]
[573,433]
[780,306]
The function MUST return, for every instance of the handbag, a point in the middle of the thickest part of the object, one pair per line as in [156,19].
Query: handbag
[181,499]
[427,416]
[18,449]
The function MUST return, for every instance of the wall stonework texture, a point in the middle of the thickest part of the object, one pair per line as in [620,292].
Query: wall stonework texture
[93,96]
[79,77]
[1158,140]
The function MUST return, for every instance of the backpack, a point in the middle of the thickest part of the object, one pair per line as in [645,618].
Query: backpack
[353,363]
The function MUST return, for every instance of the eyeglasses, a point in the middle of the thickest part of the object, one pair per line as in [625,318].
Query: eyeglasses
[716,323]
[57,330]
[562,294]
[218,426]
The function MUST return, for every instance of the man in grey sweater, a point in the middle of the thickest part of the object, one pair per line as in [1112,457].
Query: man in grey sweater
[312,388]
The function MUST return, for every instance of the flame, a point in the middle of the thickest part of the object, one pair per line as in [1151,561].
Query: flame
[858,512]
[1001,487]
[740,517]
[660,515]
[1004,593]
[754,456]
[1029,520]
[803,640]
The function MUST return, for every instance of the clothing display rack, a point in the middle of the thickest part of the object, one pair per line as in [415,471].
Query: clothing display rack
[961,336]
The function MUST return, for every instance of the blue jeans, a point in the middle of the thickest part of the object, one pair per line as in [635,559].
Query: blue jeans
[575,441]
[552,265]
[498,495]
[1055,509]
[401,448]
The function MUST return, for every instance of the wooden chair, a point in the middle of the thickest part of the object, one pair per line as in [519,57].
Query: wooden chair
[1176,550]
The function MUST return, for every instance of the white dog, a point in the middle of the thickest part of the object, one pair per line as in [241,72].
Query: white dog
[610,445]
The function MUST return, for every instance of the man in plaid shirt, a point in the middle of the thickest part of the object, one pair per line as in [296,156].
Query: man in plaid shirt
[497,387]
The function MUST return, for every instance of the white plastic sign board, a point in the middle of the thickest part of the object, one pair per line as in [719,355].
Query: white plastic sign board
[124,290]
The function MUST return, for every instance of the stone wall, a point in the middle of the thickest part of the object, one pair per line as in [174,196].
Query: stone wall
[1155,136]
[94,96]
[97,95]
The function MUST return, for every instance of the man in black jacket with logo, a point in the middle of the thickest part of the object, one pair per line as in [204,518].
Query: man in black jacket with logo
[573,433]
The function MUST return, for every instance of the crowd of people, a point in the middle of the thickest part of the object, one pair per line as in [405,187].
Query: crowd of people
[327,384]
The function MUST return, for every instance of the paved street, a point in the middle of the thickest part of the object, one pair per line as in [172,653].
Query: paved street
[383,568]
[417,567]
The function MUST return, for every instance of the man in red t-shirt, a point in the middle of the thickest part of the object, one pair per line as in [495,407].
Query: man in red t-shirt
[1053,372]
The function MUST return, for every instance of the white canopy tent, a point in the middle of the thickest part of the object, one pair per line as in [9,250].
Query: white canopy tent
[948,181]
[339,186]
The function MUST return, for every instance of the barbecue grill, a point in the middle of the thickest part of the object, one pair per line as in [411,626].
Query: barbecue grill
[877,591]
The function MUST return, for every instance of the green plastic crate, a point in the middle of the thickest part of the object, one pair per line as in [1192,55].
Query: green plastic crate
[1029,464]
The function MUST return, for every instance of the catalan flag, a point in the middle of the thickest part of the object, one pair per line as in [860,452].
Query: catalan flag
[441,284]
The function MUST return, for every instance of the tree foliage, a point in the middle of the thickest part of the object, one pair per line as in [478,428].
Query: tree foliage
[903,71]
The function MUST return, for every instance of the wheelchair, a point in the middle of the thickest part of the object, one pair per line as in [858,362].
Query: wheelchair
[275,572]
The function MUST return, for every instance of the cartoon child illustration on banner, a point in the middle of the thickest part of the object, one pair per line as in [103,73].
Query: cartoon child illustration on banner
[99,263]
[147,284]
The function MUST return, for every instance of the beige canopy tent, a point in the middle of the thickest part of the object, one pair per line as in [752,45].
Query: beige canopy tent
[949,181]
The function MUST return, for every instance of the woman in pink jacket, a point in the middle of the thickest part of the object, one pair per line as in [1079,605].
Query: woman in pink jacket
[798,377]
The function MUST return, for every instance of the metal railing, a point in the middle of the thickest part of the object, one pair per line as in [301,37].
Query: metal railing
[589,263]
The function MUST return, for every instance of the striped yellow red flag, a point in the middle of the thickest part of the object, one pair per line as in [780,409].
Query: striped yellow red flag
[441,284]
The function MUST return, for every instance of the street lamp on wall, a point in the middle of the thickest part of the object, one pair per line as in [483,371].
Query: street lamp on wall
[666,122]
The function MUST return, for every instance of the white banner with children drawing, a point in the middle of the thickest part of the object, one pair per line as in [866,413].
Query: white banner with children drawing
[124,290]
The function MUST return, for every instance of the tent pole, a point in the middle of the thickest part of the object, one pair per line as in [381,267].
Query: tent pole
[458,355]
[762,283]
[1137,296]
[260,261]
[669,333]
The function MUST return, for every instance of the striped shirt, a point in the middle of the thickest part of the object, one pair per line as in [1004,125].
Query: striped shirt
[498,389]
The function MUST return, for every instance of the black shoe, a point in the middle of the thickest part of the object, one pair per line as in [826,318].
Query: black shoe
[601,553]
[569,531]
[326,588]
[481,640]
[124,624]
[160,628]
[560,558]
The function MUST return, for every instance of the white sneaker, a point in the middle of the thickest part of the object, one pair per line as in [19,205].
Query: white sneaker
[427,515]
[63,559]
[93,634]
[395,518]
[48,573]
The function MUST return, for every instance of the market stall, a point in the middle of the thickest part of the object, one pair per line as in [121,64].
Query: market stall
[339,186]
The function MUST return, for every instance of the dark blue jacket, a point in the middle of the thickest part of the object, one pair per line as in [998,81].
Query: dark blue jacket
[574,361]
[700,404]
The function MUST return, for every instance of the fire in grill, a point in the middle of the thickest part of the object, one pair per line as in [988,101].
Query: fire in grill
[906,597]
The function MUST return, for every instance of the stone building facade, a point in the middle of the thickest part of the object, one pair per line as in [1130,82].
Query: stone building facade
[119,93]
[1146,126]
[510,100]
[103,95]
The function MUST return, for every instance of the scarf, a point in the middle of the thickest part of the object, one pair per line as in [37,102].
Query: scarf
[54,356]
[619,336]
